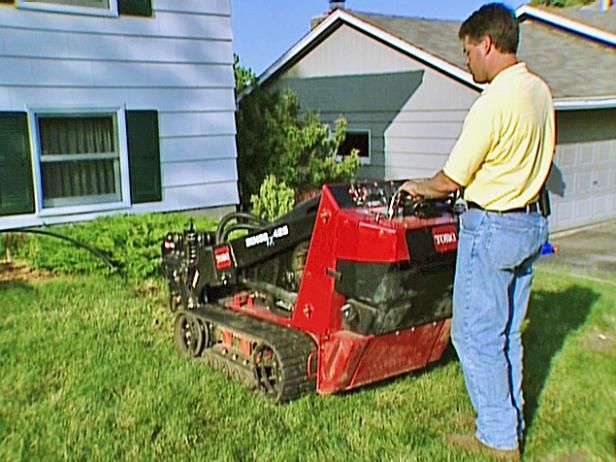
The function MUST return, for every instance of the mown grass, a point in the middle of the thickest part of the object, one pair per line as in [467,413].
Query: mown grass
[89,372]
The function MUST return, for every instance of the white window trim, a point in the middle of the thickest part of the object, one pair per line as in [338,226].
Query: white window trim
[35,147]
[363,160]
[71,9]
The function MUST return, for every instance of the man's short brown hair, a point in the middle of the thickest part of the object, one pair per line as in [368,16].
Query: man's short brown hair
[496,20]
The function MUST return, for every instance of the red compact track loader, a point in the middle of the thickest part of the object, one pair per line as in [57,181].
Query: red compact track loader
[349,288]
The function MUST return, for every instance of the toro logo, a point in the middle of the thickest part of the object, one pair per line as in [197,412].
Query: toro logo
[445,238]
[222,255]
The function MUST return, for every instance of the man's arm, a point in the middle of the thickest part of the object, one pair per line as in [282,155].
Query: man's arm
[440,185]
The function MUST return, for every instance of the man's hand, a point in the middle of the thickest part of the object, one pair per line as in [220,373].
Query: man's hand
[440,185]
[412,188]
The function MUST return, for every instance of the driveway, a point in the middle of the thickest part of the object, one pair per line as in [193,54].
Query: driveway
[590,252]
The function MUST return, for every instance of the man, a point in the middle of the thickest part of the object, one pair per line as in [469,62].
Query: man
[501,160]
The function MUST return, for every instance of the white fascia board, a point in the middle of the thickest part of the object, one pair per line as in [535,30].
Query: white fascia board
[341,15]
[567,23]
[576,104]
[298,47]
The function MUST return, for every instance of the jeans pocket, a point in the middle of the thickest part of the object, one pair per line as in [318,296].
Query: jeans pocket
[511,244]
[472,220]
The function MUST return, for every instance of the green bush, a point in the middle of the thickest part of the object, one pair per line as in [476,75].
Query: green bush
[276,137]
[274,200]
[131,242]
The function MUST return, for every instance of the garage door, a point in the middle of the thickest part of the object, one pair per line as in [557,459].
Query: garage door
[586,155]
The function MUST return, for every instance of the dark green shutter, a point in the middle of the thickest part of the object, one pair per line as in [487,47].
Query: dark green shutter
[16,188]
[143,156]
[135,7]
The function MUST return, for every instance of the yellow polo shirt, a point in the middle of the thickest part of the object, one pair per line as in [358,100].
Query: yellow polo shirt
[504,153]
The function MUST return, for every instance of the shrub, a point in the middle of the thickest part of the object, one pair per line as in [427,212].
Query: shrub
[275,137]
[131,242]
[274,200]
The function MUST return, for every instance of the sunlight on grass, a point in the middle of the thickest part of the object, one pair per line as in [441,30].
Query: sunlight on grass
[90,373]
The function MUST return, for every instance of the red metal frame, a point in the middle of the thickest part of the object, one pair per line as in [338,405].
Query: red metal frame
[345,359]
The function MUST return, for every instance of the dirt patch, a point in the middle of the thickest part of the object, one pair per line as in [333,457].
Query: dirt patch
[579,455]
[600,342]
[148,288]
[18,271]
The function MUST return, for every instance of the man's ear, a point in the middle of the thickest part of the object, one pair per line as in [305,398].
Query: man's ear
[487,45]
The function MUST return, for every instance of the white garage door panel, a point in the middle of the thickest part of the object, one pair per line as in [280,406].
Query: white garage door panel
[583,209]
[583,183]
[565,210]
[566,155]
[586,156]
[600,207]
[601,180]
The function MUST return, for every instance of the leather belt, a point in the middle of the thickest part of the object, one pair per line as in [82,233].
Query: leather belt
[529,208]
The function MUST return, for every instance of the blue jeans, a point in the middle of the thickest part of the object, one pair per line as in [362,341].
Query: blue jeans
[491,292]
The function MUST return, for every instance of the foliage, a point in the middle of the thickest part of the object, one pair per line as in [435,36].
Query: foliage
[561,3]
[89,372]
[274,137]
[244,78]
[308,158]
[254,121]
[131,242]
[275,198]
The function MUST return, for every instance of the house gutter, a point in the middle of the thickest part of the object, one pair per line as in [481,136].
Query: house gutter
[584,104]
[569,24]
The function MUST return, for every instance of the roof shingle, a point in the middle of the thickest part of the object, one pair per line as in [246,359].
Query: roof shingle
[590,15]
[573,65]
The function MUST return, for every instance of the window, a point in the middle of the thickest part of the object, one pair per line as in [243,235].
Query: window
[80,3]
[69,161]
[79,159]
[356,139]
[90,7]
[87,7]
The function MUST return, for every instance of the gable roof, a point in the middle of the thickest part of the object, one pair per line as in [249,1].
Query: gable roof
[369,24]
[577,60]
[438,37]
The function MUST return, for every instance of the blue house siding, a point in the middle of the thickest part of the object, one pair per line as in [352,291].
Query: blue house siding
[176,63]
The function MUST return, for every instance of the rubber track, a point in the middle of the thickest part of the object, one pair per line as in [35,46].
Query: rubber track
[291,346]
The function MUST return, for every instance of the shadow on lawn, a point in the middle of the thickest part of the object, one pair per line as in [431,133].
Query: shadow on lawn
[552,317]
[16,284]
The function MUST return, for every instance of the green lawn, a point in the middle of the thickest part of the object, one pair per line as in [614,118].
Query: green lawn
[89,372]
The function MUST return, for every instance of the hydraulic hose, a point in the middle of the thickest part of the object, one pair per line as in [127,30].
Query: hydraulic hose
[254,221]
[97,253]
